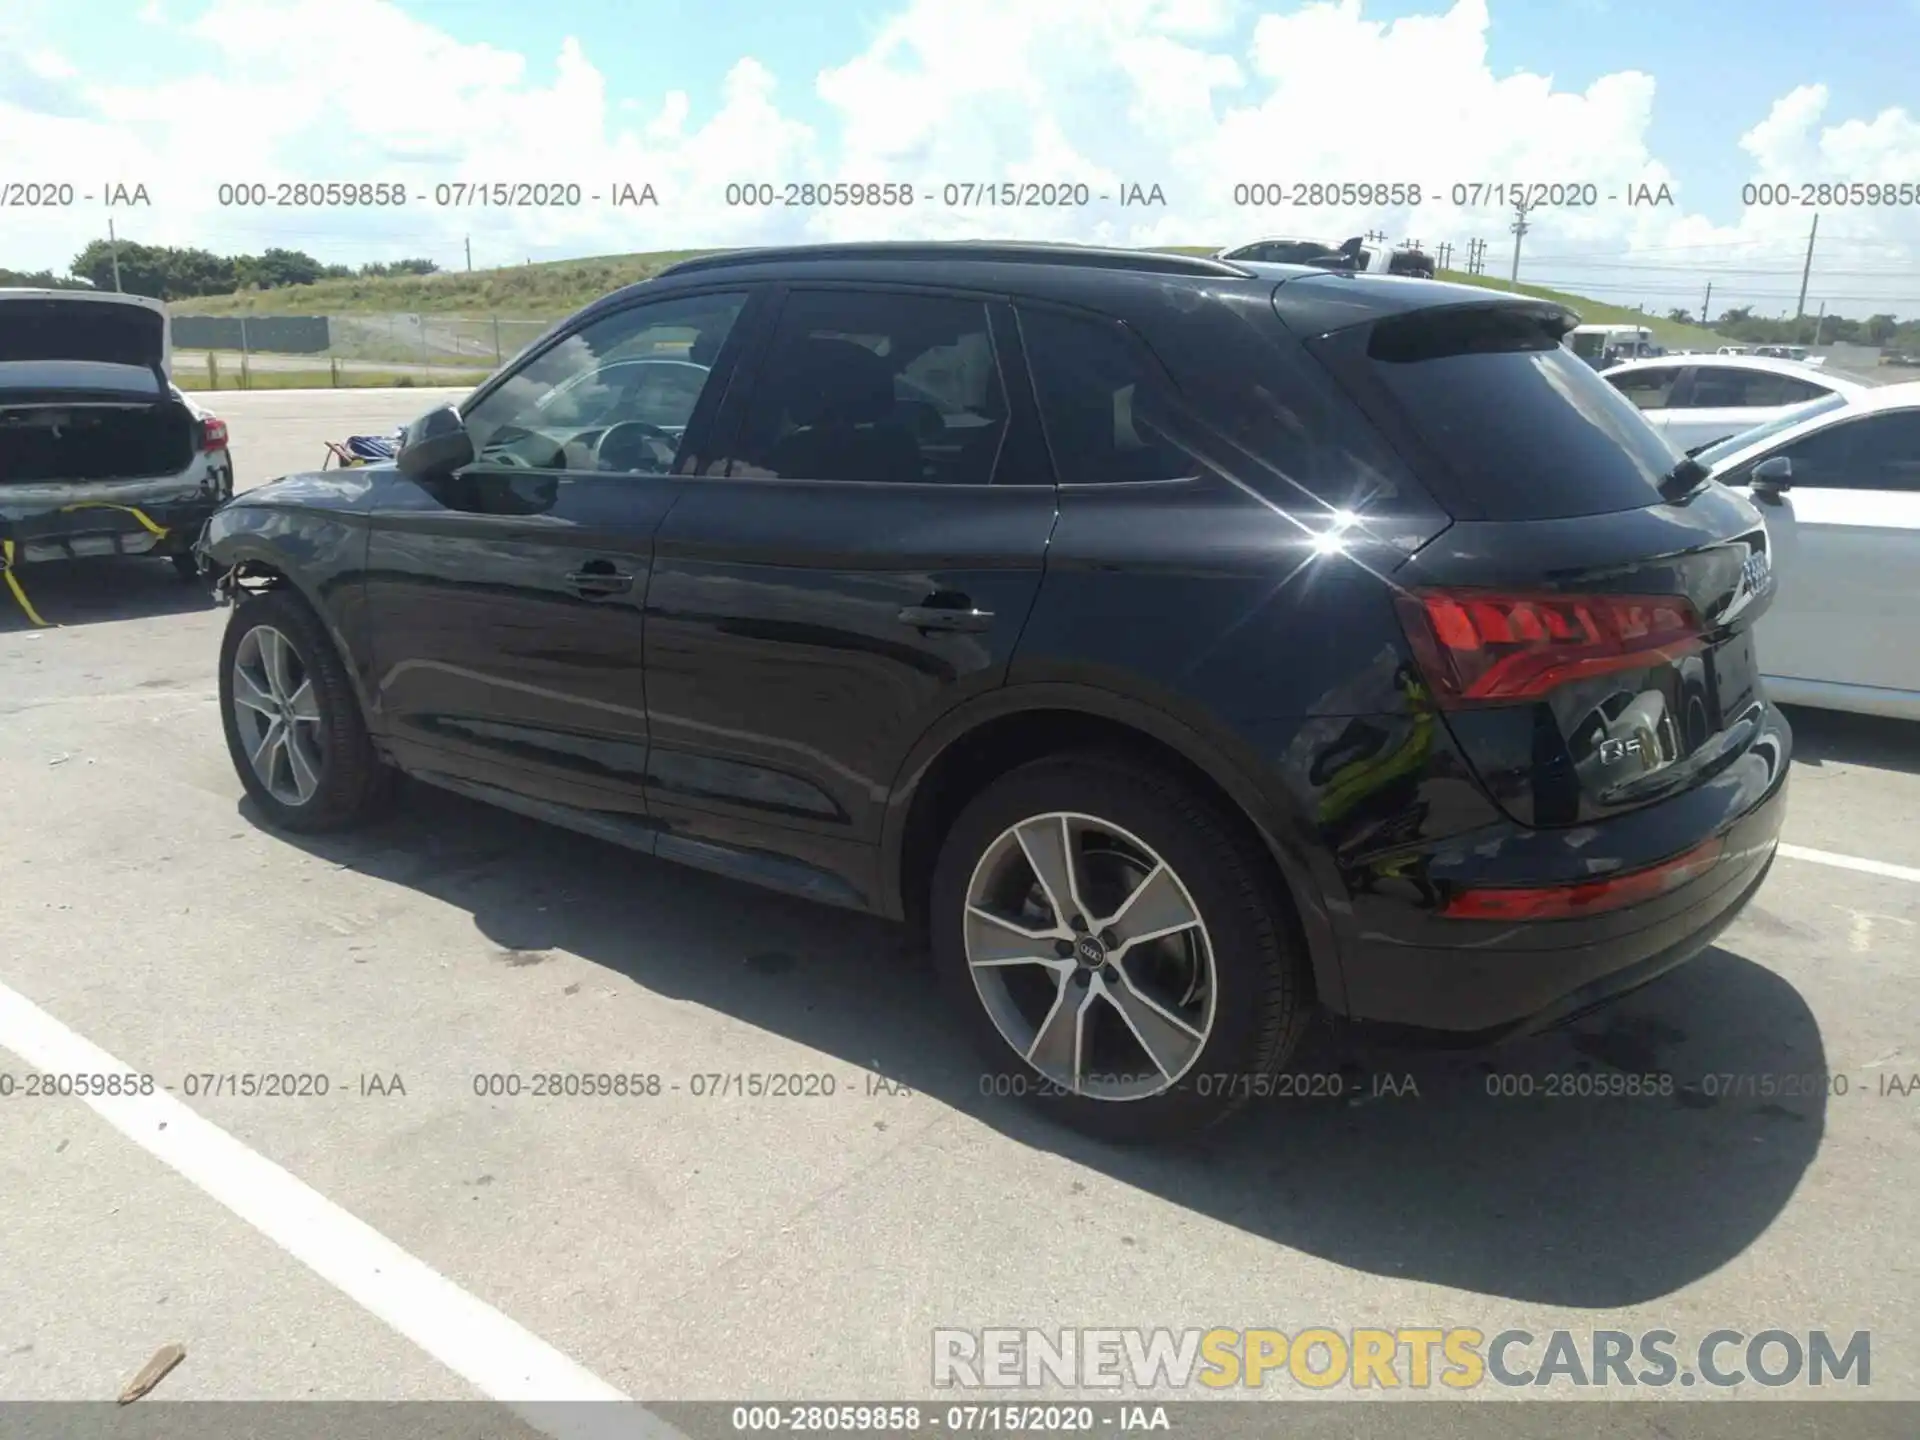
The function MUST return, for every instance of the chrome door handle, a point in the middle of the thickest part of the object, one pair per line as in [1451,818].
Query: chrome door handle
[600,582]
[941,617]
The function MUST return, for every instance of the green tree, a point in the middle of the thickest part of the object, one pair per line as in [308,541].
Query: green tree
[40,280]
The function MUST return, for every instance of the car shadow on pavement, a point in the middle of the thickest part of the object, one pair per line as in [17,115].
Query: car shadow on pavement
[1874,741]
[1428,1166]
[92,590]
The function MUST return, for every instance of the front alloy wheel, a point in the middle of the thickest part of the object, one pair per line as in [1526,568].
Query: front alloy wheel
[1090,956]
[277,716]
[292,718]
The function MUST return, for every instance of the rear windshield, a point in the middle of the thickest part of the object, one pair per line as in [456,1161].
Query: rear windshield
[1520,426]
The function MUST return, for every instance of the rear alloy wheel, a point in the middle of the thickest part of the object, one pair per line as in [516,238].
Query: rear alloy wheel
[292,721]
[1118,947]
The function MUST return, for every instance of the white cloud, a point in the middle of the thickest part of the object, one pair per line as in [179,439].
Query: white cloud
[1192,95]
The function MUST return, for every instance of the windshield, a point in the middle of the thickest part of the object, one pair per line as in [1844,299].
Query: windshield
[1723,450]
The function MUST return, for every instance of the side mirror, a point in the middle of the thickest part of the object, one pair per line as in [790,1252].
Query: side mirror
[1771,479]
[435,445]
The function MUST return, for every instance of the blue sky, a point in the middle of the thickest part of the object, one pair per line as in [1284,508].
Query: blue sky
[1719,63]
[254,89]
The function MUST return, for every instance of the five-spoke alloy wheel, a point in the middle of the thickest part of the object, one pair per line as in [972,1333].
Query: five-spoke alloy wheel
[1123,951]
[277,715]
[293,722]
[1090,956]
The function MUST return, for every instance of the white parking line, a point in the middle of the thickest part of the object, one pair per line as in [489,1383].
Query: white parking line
[484,1347]
[1852,862]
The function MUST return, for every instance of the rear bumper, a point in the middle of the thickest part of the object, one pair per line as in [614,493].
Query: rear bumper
[1414,971]
[125,517]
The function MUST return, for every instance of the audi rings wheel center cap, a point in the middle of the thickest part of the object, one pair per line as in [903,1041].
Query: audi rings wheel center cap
[1089,952]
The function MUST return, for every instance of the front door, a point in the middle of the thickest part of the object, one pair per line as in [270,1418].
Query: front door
[506,601]
[1847,533]
[862,557]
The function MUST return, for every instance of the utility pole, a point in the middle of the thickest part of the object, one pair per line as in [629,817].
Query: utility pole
[1821,323]
[1519,228]
[469,254]
[1706,306]
[1806,270]
[113,249]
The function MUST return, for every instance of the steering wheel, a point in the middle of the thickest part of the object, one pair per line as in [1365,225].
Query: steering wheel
[624,446]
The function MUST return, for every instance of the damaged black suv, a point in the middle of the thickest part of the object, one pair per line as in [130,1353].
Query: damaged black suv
[1185,644]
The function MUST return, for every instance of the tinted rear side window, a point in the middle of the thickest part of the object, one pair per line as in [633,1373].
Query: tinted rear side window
[1517,425]
[1103,403]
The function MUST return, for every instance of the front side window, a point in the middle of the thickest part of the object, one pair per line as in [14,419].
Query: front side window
[877,387]
[1887,451]
[616,395]
[1878,452]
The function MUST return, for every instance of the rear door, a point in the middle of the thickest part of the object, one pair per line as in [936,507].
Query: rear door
[861,557]
[1847,535]
[1587,621]
[506,601]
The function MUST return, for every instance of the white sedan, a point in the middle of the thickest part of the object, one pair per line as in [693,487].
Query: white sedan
[1839,484]
[1698,400]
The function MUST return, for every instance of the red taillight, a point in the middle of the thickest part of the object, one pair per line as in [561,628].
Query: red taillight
[1497,647]
[1586,897]
[213,434]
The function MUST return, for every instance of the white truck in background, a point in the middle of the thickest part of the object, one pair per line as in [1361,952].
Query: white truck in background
[1604,345]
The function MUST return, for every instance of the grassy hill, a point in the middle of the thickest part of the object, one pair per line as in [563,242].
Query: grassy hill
[546,291]
[553,289]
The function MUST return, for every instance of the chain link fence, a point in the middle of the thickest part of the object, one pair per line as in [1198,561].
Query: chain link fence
[252,352]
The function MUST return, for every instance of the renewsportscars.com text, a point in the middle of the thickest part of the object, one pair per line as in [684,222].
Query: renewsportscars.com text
[1456,1359]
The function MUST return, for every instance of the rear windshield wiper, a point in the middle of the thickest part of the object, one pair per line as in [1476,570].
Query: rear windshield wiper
[1683,479]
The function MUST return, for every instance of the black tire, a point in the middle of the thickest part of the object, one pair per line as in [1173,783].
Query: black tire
[1261,1005]
[355,785]
[186,565]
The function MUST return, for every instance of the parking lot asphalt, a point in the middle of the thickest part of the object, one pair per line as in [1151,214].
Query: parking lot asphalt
[399,1235]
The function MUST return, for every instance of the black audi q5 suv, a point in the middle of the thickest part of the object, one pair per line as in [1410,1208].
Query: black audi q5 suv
[1185,644]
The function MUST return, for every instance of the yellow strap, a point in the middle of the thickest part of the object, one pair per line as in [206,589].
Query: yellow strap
[13,584]
[159,532]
